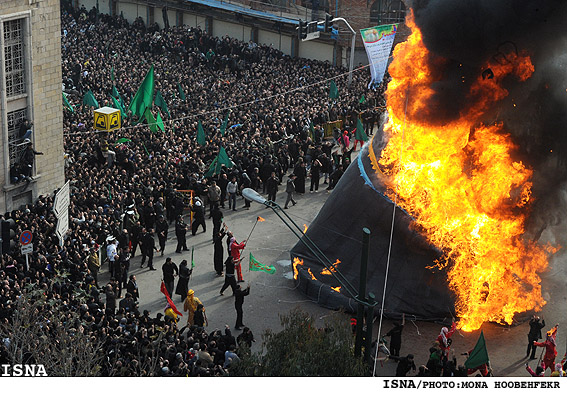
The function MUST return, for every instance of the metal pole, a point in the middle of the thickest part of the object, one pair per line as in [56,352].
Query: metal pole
[369,326]
[361,292]
[351,66]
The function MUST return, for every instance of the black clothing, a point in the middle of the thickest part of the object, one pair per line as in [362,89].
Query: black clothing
[299,181]
[183,283]
[132,288]
[396,339]
[218,251]
[534,335]
[229,279]
[405,364]
[169,269]
[238,302]
[272,187]
[198,218]
[148,246]
[180,231]
[161,230]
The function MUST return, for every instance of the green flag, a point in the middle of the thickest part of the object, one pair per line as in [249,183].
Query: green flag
[160,102]
[90,100]
[360,135]
[117,105]
[224,123]
[143,98]
[67,104]
[256,266]
[181,92]
[362,100]
[122,140]
[201,140]
[115,93]
[220,160]
[112,73]
[159,122]
[151,121]
[479,355]
[192,259]
[311,130]
[333,91]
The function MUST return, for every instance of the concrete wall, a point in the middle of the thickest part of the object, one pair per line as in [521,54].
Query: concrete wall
[316,50]
[222,28]
[44,100]
[278,41]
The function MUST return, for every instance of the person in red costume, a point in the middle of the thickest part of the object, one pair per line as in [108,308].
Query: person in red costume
[235,248]
[444,337]
[550,348]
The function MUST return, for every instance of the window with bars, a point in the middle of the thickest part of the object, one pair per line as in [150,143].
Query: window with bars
[14,66]
[387,11]
[16,145]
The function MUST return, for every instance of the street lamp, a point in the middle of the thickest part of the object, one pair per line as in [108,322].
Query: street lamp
[358,296]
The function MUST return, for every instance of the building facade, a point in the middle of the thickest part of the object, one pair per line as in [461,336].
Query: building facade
[30,89]
[268,22]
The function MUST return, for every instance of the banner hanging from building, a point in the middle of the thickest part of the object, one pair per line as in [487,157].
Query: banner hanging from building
[378,43]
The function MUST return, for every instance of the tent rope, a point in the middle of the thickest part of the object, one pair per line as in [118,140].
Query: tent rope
[391,239]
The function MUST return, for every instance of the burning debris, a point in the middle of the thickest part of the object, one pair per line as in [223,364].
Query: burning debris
[460,178]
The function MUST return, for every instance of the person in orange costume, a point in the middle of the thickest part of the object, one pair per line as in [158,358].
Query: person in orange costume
[550,348]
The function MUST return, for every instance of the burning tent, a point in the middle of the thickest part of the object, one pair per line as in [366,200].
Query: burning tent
[460,161]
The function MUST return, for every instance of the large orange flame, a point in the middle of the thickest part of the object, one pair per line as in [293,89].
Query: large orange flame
[332,268]
[458,180]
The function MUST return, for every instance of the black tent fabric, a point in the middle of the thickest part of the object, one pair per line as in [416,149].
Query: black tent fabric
[356,202]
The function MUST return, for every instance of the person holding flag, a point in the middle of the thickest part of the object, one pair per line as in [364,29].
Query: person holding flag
[170,311]
[550,348]
[444,338]
[234,248]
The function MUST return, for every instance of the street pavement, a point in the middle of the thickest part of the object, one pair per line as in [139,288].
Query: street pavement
[273,295]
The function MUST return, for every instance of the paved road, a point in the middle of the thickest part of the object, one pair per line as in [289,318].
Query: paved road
[272,295]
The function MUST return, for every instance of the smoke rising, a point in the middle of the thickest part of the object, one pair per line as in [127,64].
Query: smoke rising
[471,33]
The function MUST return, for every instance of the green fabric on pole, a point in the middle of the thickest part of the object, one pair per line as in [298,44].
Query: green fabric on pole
[160,102]
[90,100]
[151,121]
[115,93]
[144,96]
[333,90]
[122,140]
[257,266]
[159,122]
[192,259]
[360,135]
[67,104]
[362,99]
[146,149]
[224,123]
[181,92]
[311,130]
[479,355]
[201,140]
[220,160]
[118,106]
[112,73]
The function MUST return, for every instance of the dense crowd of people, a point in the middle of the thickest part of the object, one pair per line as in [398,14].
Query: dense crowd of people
[124,198]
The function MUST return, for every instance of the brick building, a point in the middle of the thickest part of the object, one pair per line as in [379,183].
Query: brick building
[30,58]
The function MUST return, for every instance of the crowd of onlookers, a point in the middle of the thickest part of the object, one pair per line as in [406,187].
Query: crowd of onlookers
[122,190]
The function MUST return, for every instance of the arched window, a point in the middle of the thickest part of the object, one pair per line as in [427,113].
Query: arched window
[385,12]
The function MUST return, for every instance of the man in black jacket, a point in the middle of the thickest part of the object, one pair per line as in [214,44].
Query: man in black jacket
[198,217]
[238,302]
[169,270]
[161,230]
[132,288]
[534,335]
[229,278]
[180,231]
[405,364]
[148,246]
